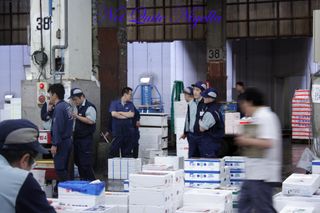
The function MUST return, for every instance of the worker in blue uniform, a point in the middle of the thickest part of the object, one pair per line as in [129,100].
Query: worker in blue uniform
[61,131]
[122,112]
[136,133]
[195,110]
[211,125]
[85,126]
[19,190]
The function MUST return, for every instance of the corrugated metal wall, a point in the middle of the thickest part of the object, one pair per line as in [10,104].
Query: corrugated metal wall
[167,62]
[277,67]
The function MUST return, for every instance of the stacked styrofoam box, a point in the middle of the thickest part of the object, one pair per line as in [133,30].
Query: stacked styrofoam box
[235,196]
[119,199]
[154,119]
[237,165]
[209,198]
[206,173]
[301,184]
[191,209]
[177,187]
[316,167]
[280,201]
[121,168]
[301,115]
[126,186]
[148,155]
[94,209]
[231,125]
[151,192]
[40,176]
[293,209]
[182,145]
[81,194]
[174,161]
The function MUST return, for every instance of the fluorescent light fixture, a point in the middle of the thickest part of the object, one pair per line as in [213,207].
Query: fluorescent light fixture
[145,80]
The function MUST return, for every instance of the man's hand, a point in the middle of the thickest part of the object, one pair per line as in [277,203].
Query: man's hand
[183,136]
[50,107]
[54,150]
[138,124]
[242,140]
[75,115]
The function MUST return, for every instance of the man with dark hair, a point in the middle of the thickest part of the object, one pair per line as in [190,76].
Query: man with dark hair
[19,146]
[195,110]
[265,168]
[85,127]
[61,130]
[211,125]
[122,112]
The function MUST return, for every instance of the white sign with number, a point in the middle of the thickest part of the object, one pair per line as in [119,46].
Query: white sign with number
[215,54]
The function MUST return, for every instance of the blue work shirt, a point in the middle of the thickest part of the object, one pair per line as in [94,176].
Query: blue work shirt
[121,126]
[62,122]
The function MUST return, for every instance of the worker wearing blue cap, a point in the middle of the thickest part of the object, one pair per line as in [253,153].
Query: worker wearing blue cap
[211,125]
[85,126]
[195,110]
[19,190]
[61,131]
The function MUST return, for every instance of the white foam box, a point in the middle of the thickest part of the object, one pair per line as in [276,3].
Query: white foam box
[95,209]
[126,185]
[316,167]
[203,184]
[205,175]
[117,198]
[123,209]
[156,167]
[301,184]
[237,174]
[71,198]
[150,196]
[234,190]
[150,209]
[203,164]
[280,201]
[235,162]
[208,198]
[162,131]
[236,183]
[154,119]
[150,142]
[152,153]
[39,175]
[120,168]
[174,161]
[191,209]
[294,209]
[151,180]
[180,108]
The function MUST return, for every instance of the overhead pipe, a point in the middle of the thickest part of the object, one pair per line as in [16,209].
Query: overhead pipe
[61,47]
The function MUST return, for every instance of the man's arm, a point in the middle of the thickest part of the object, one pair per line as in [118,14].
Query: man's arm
[117,115]
[90,118]
[207,122]
[127,114]
[256,142]
[31,198]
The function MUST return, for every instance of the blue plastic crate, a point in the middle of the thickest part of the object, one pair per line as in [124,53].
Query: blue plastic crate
[83,187]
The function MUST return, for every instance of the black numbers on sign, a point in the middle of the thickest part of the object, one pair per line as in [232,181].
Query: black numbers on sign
[43,23]
[214,54]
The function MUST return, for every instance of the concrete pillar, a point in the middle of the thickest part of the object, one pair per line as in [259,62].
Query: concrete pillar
[216,48]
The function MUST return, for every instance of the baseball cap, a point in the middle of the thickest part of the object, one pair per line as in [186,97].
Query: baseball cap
[209,93]
[188,90]
[201,85]
[75,92]
[20,134]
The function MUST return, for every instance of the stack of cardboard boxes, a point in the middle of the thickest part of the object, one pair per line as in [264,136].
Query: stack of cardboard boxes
[237,167]
[121,168]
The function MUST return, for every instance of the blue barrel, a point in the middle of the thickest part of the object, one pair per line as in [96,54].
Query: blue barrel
[146,95]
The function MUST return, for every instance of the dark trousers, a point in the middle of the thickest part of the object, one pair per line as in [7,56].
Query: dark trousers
[256,196]
[83,157]
[193,147]
[136,137]
[61,159]
[208,147]
[121,144]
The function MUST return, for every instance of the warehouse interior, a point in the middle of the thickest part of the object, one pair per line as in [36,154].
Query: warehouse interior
[158,48]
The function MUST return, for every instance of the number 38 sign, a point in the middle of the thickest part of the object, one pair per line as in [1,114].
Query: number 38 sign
[215,54]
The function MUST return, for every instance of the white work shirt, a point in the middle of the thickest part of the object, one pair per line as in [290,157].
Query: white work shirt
[267,168]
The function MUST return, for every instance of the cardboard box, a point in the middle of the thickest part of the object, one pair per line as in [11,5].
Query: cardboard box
[117,198]
[293,209]
[203,184]
[154,119]
[150,209]
[207,198]
[156,167]
[203,164]
[237,174]
[234,190]
[236,183]
[232,120]
[301,184]
[121,168]
[81,194]
[191,209]
[39,175]
[151,180]
[126,186]
[95,209]
[235,162]
[174,161]
[204,176]
[316,167]
[280,201]
[150,196]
